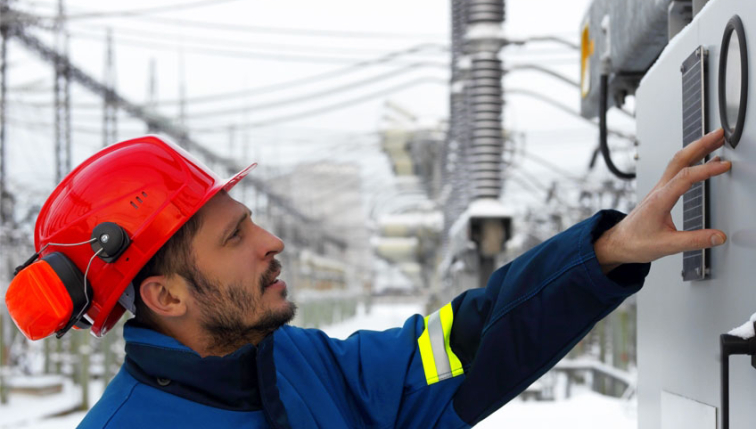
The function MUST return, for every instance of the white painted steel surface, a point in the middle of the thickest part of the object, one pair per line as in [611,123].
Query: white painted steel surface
[679,323]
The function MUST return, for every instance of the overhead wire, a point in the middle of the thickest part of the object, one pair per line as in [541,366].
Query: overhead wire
[151,35]
[324,109]
[293,31]
[229,53]
[388,58]
[313,95]
[303,98]
[560,106]
[241,28]
[139,12]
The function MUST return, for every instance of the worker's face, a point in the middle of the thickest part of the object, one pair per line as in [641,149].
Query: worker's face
[237,296]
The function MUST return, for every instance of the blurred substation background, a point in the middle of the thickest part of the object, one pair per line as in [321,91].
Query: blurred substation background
[417,208]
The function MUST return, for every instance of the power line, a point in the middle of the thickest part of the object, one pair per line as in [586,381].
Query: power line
[542,69]
[230,53]
[139,12]
[303,81]
[327,108]
[307,80]
[161,123]
[553,167]
[554,39]
[562,107]
[563,78]
[181,37]
[243,28]
[313,95]
[294,31]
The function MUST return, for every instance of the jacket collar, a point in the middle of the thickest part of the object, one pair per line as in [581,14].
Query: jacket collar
[228,382]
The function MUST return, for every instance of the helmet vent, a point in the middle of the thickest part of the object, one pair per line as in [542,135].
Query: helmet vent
[139,200]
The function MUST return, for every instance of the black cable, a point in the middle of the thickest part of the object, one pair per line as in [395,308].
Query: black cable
[603,132]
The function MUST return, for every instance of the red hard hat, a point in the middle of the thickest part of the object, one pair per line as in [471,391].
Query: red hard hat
[149,187]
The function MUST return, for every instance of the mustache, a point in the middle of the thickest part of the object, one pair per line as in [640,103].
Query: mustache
[270,274]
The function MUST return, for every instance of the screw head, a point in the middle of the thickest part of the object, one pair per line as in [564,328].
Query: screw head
[104,238]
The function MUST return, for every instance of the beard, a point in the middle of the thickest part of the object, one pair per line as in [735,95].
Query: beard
[225,311]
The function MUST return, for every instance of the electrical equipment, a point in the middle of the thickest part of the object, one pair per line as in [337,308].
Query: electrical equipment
[621,39]
[733,80]
[680,322]
[695,203]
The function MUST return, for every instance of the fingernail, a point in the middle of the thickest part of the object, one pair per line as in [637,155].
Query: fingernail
[716,240]
[716,159]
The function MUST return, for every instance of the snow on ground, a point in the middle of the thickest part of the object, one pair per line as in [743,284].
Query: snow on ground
[33,412]
[584,410]
[379,318]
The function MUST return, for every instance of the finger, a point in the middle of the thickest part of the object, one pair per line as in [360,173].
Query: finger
[680,184]
[684,241]
[692,153]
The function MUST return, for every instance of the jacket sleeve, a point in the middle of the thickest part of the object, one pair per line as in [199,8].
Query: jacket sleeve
[461,363]
[532,312]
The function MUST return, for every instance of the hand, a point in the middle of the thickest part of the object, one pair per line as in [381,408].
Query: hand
[648,233]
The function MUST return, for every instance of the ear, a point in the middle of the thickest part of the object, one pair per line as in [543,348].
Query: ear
[165,297]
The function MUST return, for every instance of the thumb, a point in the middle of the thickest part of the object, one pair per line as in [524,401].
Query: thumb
[683,241]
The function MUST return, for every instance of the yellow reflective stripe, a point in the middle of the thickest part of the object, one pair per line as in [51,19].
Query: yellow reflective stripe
[447,320]
[439,361]
[426,353]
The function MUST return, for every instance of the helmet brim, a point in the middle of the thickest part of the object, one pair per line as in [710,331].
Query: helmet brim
[230,183]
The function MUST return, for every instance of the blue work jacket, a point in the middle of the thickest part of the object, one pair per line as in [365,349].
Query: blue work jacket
[450,369]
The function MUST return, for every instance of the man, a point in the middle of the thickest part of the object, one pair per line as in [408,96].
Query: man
[210,345]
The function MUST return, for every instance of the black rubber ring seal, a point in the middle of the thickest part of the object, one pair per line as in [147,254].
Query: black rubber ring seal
[732,135]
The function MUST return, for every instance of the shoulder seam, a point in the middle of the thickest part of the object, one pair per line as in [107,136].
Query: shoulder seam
[107,423]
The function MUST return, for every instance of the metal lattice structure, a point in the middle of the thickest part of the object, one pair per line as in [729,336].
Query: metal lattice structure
[159,123]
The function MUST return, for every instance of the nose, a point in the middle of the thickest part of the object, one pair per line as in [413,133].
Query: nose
[271,244]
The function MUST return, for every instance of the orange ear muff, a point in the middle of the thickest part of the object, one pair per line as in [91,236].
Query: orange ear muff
[48,296]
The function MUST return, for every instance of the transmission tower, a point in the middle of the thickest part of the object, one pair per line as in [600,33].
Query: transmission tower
[4,214]
[62,103]
[152,94]
[4,203]
[110,107]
